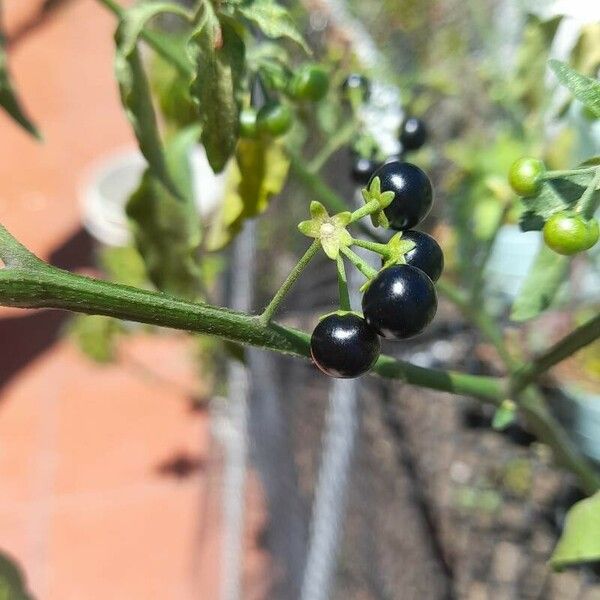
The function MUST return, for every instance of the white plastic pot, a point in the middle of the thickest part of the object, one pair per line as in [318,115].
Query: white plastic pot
[109,183]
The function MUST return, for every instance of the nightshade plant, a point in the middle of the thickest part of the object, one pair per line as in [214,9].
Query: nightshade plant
[217,59]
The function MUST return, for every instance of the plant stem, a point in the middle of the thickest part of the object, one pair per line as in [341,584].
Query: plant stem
[568,172]
[367,270]
[269,312]
[343,284]
[588,203]
[571,343]
[335,142]
[368,209]
[155,41]
[372,246]
[480,319]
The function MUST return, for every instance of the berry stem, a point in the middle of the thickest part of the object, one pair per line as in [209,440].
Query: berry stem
[336,141]
[343,284]
[368,209]
[588,203]
[269,312]
[568,172]
[372,246]
[367,270]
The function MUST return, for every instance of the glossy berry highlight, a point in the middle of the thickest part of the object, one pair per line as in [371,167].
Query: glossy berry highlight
[400,302]
[413,134]
[569,233]
[526,176]
[363,169]
[357,87]
[344,345]
[413,193]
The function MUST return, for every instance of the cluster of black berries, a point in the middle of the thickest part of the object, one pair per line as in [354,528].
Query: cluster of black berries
[400,301]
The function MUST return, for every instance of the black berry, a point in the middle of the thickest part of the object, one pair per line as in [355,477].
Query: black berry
[400,302]
[358,86]
[413,134]
[363,169]
[344,346]
[426,255]
[413,193]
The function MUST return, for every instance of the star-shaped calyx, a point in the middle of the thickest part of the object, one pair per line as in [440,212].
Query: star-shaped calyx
[373,192]
[396,250]
[329,230]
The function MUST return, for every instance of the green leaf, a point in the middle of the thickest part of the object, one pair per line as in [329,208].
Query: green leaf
[259,172]
[585,89]
[96,336]
[580,540]
[218,55]
[167,230]
[556,195]
[8,97]
[134,87]
[545,277]
[273,20]
[12,581]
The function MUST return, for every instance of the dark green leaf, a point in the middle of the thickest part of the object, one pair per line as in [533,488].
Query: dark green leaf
[12,581]
[545,277]
[585,89]
[580,540]
[218,55]
[8,98]
[556,195]
[273,20]
[167,230]
[134,88]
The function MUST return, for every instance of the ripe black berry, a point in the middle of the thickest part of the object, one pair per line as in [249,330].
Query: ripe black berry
[344,346]
[413,193]
[413,134]
[363,169]
[400,302]
[426,255]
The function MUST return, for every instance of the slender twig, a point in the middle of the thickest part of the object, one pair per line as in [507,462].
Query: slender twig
[343,284]
[568,172]
[367,270]
[335,142]
[368,209]
[571,343]
[588,203]
[269,312]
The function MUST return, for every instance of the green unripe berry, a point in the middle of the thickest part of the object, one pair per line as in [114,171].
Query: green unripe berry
[525,176]
[310,82]
[248,128]
[274,119]
[569,233]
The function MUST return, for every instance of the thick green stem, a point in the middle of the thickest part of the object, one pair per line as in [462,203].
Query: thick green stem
[343,284]
[588,203]
[574,341]
[269,312]
[367,270]
[155,41]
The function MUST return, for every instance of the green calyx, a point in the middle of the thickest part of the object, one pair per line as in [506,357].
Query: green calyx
[384,199]
[396,250]
[329,230]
